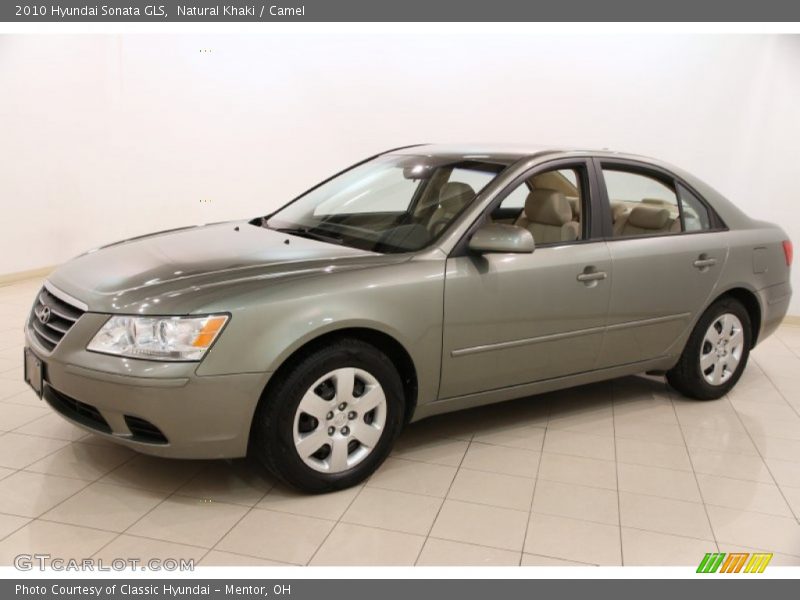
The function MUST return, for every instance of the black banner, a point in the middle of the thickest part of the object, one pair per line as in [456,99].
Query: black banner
[155,11]
[730,588]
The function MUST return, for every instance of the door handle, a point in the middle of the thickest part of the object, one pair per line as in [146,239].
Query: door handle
[704,263]
[592,276]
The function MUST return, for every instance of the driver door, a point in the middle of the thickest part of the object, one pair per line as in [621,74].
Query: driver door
[512,319]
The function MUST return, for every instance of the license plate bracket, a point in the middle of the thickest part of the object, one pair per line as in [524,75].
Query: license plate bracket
[33,371]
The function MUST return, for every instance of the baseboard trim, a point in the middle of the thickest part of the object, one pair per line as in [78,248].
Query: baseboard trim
[791,320]
[8,278]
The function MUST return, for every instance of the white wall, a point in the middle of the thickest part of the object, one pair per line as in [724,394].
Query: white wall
[104,137]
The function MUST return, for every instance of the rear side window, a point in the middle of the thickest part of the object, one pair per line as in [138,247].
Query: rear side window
[695,213]
[641,204]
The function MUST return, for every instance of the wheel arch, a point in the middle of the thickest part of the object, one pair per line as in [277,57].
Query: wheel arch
[749,299]
[386,343]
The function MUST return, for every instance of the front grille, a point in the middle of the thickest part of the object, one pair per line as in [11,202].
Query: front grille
[83,413]
[51,318]
[144,431]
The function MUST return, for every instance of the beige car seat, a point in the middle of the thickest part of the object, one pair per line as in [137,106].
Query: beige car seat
[453,197]
[548,216]
[643,220]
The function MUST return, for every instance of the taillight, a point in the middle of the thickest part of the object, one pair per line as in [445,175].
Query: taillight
[788,252]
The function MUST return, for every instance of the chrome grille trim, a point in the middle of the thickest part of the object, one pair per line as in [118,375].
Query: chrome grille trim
[63,315]
[65,297]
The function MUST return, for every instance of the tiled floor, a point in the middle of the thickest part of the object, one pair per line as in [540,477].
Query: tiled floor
[624,472]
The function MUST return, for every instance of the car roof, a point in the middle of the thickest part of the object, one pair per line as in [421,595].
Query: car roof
[511,152]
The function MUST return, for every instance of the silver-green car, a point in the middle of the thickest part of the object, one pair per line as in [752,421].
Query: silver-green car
[423,280]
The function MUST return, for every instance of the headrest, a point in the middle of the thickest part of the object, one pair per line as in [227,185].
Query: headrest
[455,191]
[548,207]
[618,209]
[648,218]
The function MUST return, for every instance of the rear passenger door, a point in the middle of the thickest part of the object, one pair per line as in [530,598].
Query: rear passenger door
[667,253]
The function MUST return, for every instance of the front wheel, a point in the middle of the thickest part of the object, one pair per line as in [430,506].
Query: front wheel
[716,352]
[332,418]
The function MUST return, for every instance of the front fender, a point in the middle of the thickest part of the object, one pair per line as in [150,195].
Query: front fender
[403,301]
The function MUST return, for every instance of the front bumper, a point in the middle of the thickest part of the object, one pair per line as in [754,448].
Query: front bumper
[158,408]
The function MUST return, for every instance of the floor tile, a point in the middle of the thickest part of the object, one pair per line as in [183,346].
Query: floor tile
[726,442]
[189,521]
[438,552]
[53,426]
[777,448]
[786,473]
[736,466]
[646,408]
[649,431]
[655,481]
[495,489]
[664,515]
[55,539]
[353,544]
[591,420]
[534,560]
[651,549]
[573,539]
[324,506]
[430,447]
[575,469]
[743,495]
[792,495]
[10,523]
[576,501]
[713,414]
[527,437]
[143,549]
[215,558]
[653,454]
[32,494]
[16,415]
[500,459]
[82,461]
[277,536]
[19,451]
[414,477]
[756,530]
[575,443]
[234,482]
[10,388]
[389,509]
[154,473]
[104,506]
[479,524]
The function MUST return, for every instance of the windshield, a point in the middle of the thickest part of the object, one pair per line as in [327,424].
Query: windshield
[393,203]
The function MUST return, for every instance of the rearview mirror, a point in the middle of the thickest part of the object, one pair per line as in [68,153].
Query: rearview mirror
[497,237]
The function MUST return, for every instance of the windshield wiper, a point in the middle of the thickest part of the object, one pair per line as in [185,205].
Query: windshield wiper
[310,234]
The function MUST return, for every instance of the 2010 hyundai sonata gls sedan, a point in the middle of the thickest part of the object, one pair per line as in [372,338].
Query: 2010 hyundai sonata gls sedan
[423,280]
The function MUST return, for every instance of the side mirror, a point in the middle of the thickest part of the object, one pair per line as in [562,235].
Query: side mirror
[497,237]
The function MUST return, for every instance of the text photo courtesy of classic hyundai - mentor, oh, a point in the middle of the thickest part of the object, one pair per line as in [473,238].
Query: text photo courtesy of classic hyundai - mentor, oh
[424,280]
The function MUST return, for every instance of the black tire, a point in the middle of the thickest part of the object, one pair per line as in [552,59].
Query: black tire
[272,433]
[687,376]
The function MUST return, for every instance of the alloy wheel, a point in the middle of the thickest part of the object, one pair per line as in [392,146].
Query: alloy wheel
[340,420]
[722,349]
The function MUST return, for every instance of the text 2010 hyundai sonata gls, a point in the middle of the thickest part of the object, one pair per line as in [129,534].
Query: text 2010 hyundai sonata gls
[423,280]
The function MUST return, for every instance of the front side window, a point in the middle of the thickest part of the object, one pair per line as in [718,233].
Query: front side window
[393,203]
[548,204]
[641,204]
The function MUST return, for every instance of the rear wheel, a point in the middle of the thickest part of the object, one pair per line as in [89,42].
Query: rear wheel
[716,352]
[331,421]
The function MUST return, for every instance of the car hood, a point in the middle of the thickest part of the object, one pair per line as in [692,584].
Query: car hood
[164,271]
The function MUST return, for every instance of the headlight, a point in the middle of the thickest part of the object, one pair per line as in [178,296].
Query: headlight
[158,338]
